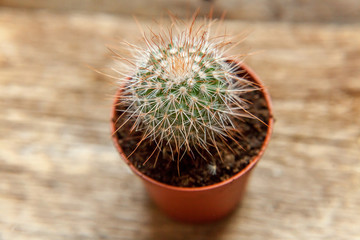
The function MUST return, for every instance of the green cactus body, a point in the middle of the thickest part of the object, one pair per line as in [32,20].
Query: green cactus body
[184,94]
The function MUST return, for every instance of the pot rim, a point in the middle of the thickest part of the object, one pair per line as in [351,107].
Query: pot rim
[252,163]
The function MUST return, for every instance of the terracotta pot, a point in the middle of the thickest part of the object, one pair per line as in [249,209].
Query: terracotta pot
[200,204]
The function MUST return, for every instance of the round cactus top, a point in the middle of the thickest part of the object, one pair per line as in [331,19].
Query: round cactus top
[182,91]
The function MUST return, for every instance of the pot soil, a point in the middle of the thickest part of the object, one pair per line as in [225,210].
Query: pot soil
[185,190]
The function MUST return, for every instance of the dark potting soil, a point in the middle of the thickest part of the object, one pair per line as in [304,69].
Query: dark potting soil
[199,172]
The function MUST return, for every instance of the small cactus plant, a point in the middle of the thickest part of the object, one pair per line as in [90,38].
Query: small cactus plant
[182,92]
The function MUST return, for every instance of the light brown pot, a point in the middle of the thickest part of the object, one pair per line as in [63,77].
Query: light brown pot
[200,204]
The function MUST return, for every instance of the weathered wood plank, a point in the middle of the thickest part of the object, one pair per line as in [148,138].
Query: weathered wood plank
[264,10]
[60,177]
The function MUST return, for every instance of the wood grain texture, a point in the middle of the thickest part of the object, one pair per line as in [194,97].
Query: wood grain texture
[264,10]
[61,178]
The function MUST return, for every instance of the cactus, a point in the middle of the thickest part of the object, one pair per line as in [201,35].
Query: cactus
[182,92]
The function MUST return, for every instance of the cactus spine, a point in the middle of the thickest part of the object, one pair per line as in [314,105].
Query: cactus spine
[181,91]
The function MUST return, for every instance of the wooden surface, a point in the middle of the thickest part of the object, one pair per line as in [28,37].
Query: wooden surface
[61,178]
[267,10]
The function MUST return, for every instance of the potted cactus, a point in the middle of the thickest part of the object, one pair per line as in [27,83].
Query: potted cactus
[191,121]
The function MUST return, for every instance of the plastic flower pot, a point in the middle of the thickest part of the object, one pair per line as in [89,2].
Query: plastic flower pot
[200,204]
